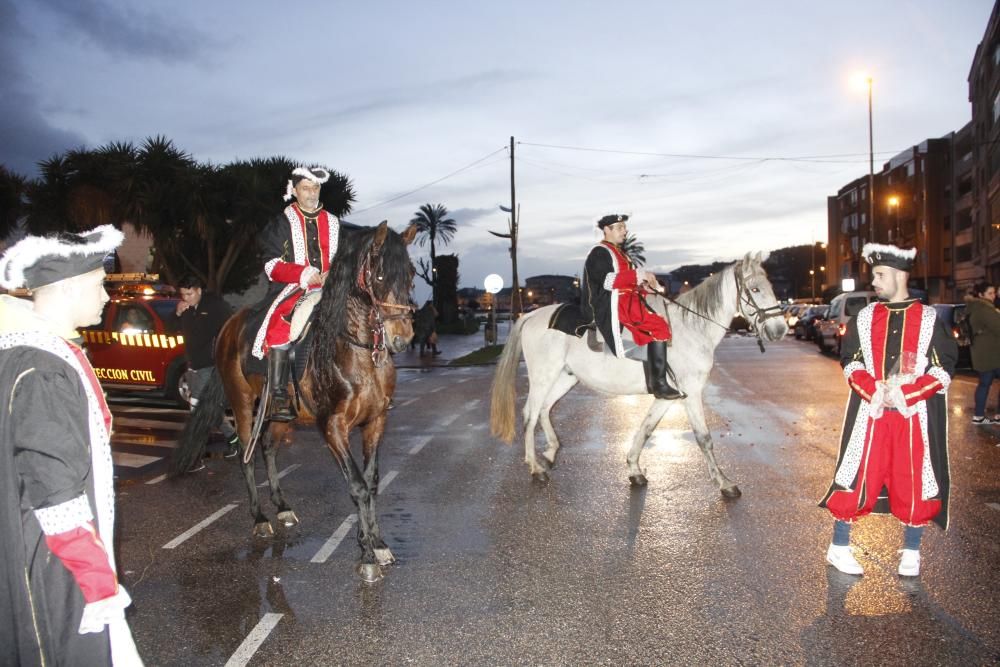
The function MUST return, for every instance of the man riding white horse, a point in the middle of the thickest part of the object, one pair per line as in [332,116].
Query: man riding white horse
[614,296]
[298,248]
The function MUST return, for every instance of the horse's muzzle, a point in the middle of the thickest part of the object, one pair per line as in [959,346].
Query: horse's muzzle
[398,344]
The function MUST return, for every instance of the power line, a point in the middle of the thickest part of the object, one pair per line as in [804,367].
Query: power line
[434,182]
[777,158]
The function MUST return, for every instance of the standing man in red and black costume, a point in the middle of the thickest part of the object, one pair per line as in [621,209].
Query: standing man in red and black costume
[898,358]
[614,296]
[298,249]
[60,599]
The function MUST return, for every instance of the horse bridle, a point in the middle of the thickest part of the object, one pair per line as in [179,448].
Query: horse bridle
[760,315]
[376,318]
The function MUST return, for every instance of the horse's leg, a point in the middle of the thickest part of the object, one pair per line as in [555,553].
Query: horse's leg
[270,450]
[337,441]
[261,525]
[371,436]
[544,373]
[696,415]
[558,390]
[656,411]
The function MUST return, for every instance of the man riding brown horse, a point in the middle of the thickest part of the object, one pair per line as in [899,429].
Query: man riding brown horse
[298,248]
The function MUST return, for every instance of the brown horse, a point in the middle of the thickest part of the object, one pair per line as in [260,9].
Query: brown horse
[363,314]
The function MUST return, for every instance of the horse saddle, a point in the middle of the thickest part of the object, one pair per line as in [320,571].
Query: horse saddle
[569,319]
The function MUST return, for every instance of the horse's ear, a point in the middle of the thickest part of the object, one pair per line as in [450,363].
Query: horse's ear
[380,233]
[410,234]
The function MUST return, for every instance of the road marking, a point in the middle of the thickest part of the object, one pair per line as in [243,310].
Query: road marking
[282,473]
[157,480]
[420,444]
[127,460]
[180,539]
[472,405]
[461,381]
[149,423]
[254,640]
[405,403]
[995,506]
[447,421]
[327,549]
[384,482]
[142,441]
[435,390]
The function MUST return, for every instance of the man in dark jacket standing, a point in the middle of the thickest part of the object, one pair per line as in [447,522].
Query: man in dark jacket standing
[201,315]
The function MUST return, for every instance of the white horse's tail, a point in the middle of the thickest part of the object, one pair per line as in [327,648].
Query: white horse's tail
[504,390]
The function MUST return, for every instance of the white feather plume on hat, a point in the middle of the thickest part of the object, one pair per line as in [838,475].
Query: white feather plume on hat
[29,251]
[317,175]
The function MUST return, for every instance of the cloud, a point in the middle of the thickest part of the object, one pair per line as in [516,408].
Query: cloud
[25,135]
[126,31]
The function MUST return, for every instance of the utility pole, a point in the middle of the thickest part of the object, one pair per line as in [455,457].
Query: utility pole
[515,213]
[515,295]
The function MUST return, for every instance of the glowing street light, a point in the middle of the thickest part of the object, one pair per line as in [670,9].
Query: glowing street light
[893,202]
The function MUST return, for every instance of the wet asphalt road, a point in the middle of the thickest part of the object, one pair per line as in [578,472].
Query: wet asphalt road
[496,569]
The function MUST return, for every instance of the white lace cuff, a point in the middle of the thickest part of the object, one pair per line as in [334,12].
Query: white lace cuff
[65,516]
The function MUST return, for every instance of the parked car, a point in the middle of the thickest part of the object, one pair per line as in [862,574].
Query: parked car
[953,314]
[805,327]
[137,345]
[832,328]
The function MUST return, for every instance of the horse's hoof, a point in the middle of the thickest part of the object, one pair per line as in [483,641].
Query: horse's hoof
[548,463]
[288,518]
[732,491]
[637,480]
[540,477]
[369,572]
[384,556]
[263,529]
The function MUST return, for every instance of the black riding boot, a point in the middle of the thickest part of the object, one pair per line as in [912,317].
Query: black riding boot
[656,372]
[277,377]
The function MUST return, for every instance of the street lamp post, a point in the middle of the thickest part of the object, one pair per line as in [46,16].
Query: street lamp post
[894,208]
[871,165]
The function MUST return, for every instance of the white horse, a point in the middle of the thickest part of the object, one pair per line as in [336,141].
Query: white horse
[557,361]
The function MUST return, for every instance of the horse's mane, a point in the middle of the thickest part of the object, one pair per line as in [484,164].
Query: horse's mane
[706,298]
[341,287]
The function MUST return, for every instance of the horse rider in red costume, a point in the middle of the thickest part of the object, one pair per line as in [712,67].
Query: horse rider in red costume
[298,248]
[898,359]
[614,296]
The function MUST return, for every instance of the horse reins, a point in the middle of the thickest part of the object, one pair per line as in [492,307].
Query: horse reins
[376,320]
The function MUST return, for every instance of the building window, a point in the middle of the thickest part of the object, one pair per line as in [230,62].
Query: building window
[963,253]
[947,254]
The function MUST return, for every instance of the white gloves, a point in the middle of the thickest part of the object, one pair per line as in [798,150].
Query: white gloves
[98,614]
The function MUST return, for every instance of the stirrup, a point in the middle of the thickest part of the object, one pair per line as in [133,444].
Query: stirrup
[280,409]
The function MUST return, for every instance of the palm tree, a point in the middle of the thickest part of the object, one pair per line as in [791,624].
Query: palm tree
[633,248]
[433,224]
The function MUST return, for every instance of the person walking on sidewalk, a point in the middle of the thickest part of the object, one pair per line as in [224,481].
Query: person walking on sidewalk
[984,323]
[898,358]
[201,315]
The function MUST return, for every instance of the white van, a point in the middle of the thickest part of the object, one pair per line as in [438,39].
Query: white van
[844,306]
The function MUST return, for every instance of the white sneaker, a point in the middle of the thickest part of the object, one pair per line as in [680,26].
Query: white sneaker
[841,558]
[909,563]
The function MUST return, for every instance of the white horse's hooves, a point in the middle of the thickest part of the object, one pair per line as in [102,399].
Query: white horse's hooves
[369,572]
[732,491]
[540,476]
[263,530]
[637,480]
[288,518]
[384,556]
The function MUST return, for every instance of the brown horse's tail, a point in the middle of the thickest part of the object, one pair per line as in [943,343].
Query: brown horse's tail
[504,390]
[193,438]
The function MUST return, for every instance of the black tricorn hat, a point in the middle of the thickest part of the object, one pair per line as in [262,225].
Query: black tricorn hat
[611,219]
[36,261]
[878,254]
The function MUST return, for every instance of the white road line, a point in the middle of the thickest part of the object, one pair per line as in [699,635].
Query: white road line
[995,506]
[126,460]
[149,423]
[384,482]
[471,405]
[419,444]
[253,641]
[157,480]
[282,473]
[180,539]
[142,441]
[405,403]
[447,421]
[334,541]
[461,381]
[435,390]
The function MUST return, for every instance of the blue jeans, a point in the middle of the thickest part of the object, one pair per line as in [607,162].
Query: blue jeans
[983,389]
